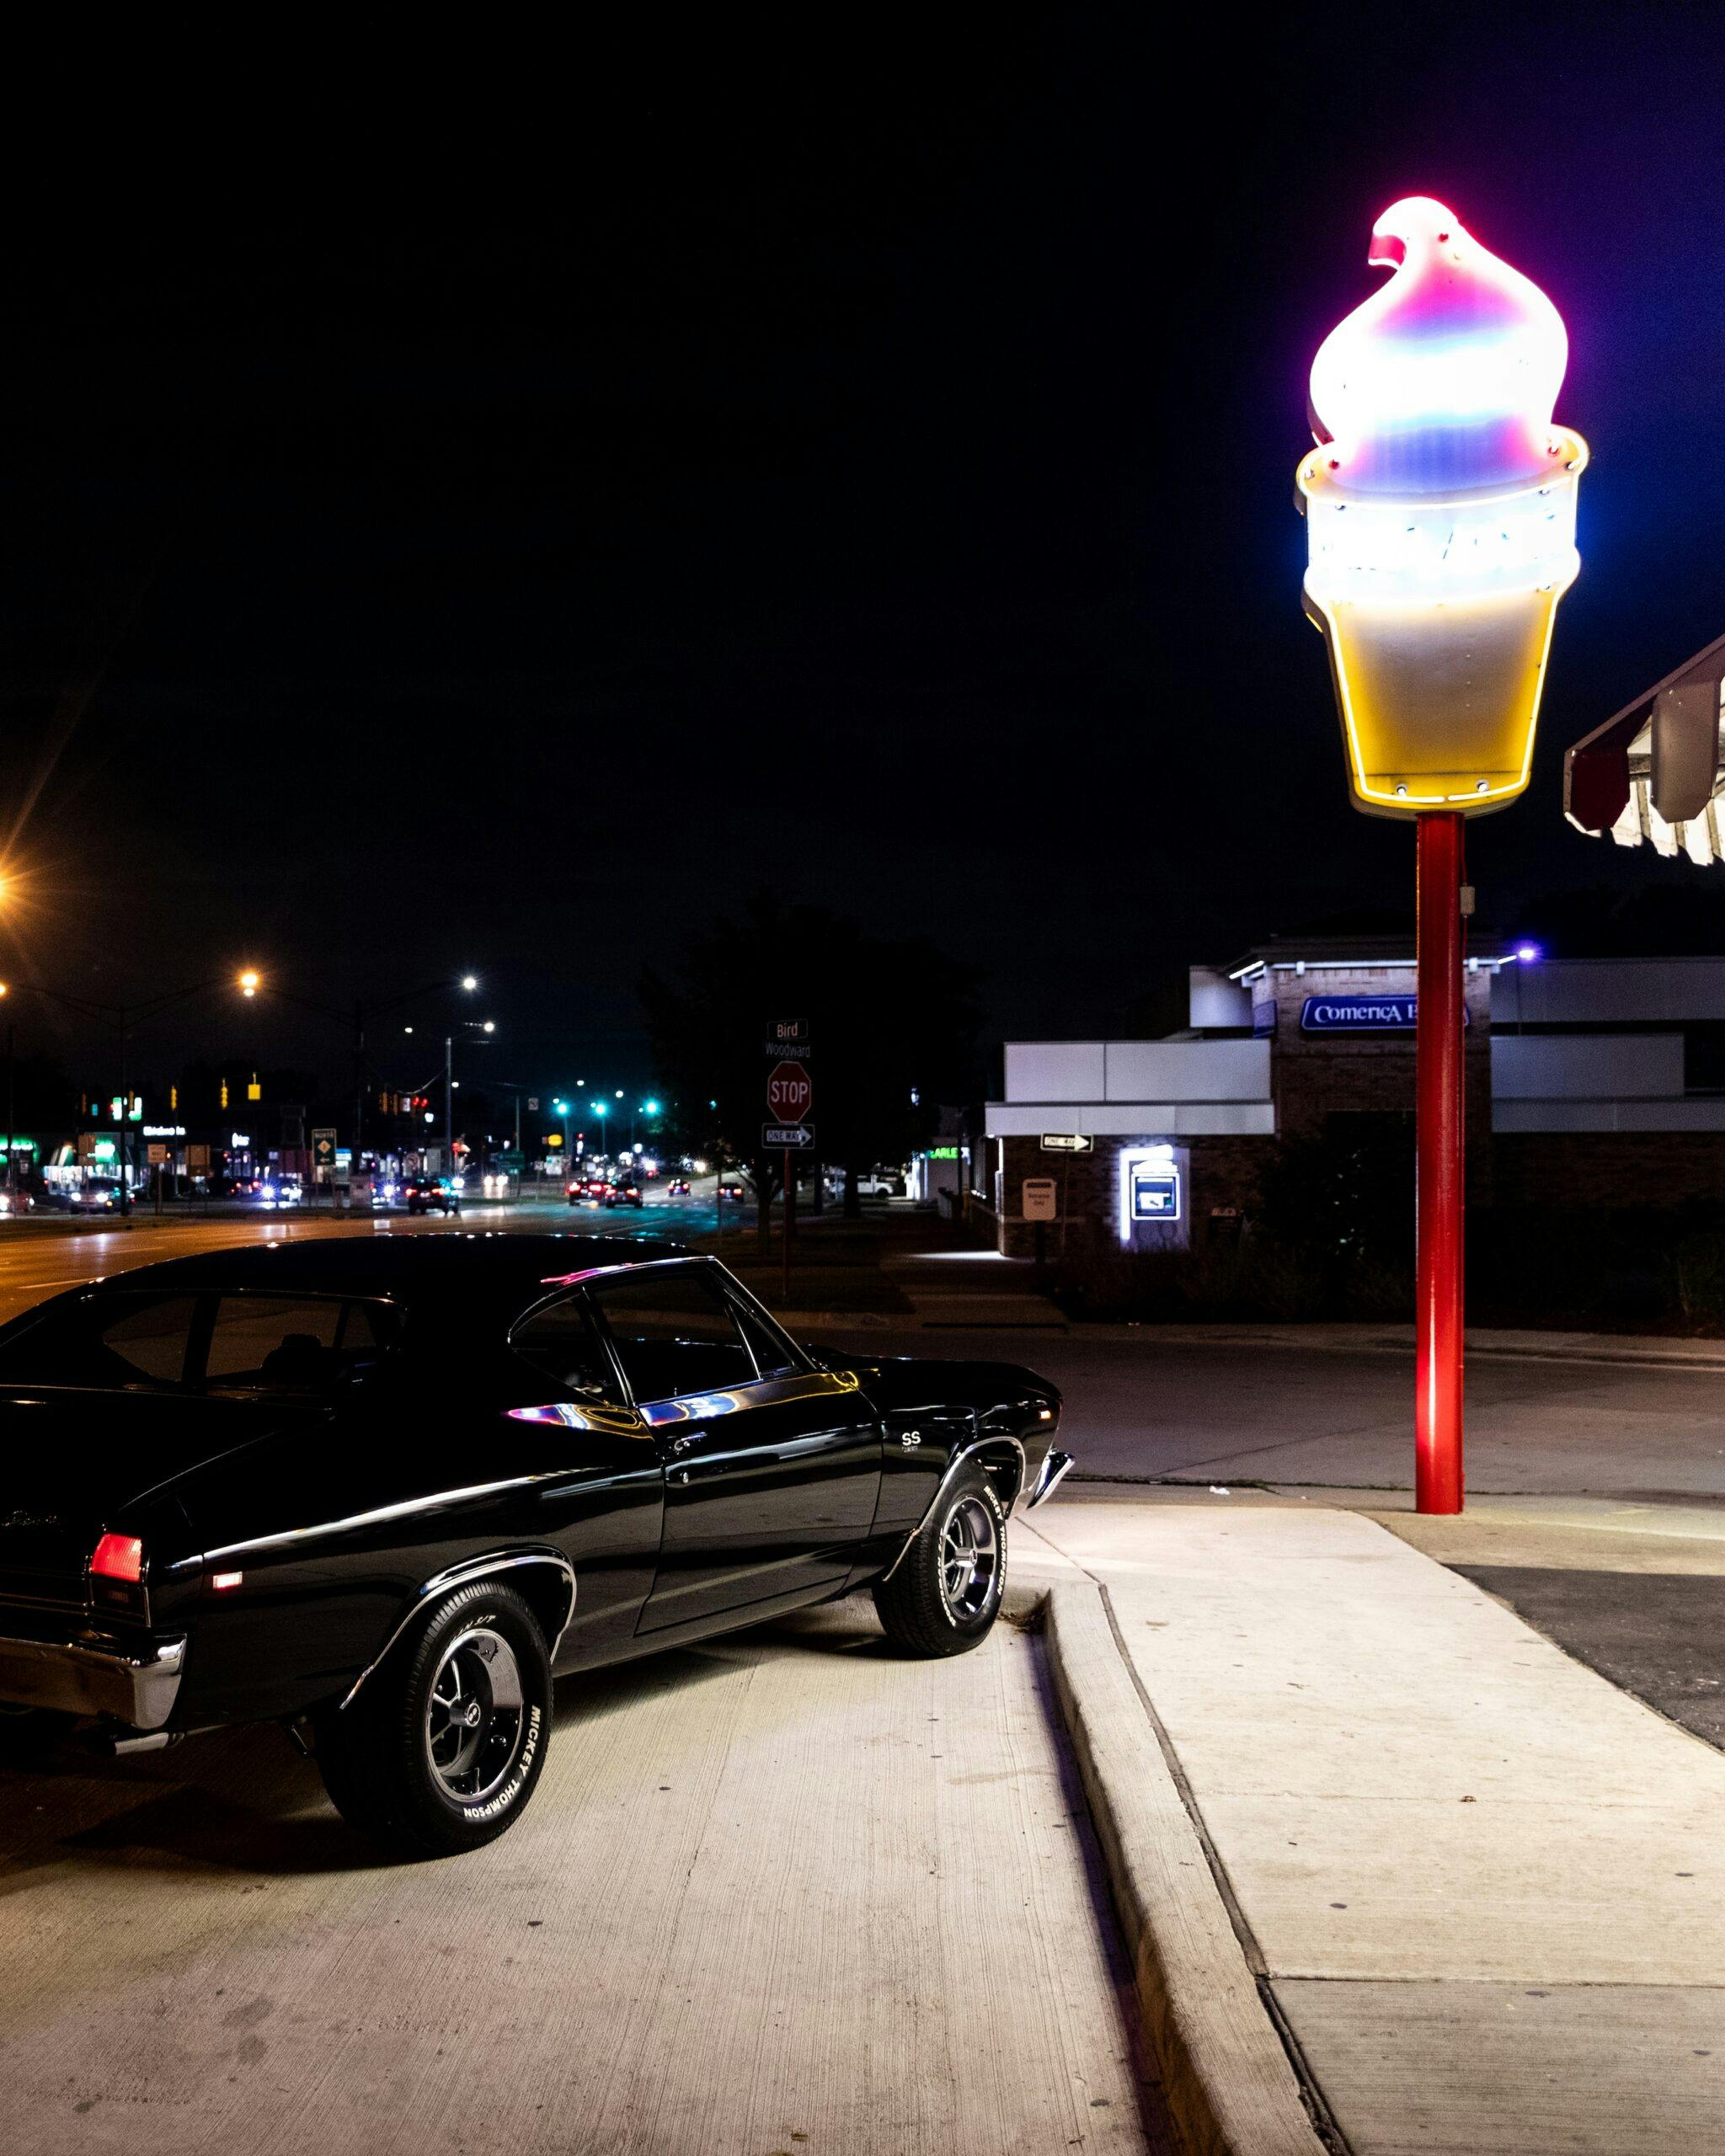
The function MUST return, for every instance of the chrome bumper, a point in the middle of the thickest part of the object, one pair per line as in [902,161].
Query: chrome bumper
[1049,1480]
[75,1676]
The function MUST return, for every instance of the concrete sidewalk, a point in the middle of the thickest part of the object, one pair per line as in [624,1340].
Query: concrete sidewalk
[1476,1886]
[781,1894]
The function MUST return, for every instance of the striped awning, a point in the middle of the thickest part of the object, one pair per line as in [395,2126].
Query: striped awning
[1657,770]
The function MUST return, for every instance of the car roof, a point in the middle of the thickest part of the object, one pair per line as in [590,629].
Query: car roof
[432,1267]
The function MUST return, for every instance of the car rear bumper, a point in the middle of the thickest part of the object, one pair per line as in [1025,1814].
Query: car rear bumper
[78,1677]
[1048,1477]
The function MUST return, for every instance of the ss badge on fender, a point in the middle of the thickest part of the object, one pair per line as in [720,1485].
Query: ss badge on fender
[910,1439]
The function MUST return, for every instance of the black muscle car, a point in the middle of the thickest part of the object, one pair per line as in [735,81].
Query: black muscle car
[381,1491]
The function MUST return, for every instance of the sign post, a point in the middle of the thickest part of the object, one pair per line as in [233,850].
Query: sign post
[1440,513]
[790,1093]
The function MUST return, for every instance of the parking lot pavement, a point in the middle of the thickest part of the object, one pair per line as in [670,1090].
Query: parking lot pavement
[782,1893]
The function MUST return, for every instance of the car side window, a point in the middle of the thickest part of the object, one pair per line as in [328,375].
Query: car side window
[773,1357]
[561,1339]
[104,1340]
[298,1343]
[674,1333]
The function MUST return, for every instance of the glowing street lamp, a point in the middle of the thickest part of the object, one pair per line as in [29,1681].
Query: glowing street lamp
[249,982]
[1440,512]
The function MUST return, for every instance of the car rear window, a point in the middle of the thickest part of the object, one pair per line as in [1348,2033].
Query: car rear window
[301,1344]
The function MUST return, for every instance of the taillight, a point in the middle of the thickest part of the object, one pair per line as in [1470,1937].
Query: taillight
[118,1557]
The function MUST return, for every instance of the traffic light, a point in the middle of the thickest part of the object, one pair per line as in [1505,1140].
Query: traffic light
[383,1103]
[174,1100]
[116,1106]
[254,1091]
[224,1092]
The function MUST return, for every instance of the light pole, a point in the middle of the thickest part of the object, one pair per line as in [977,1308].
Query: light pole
[468,1026]
[1440,512]
[560,1106]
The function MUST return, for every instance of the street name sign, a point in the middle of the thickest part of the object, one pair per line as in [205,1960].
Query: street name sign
[787,1137]
[1067,1141]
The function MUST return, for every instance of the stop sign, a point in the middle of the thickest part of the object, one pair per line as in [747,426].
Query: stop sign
[789,1092]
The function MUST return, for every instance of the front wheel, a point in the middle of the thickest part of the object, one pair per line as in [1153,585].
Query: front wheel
[945,1592]
[443,1748]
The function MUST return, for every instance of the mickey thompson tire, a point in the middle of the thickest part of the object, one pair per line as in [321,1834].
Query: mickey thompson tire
[945,1593]
[443,1748]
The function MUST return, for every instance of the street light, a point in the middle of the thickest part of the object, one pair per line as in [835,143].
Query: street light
[1440,511]
[249,982]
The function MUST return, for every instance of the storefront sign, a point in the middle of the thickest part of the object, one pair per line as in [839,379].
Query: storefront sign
[1361,1014]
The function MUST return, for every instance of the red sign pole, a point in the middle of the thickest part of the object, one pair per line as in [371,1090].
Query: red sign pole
[1437,1467]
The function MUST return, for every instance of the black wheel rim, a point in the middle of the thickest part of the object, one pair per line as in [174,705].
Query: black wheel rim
[475,1717]
[970,1559]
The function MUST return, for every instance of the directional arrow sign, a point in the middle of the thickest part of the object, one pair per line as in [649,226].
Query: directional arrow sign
[1067,1141]
[787,1137]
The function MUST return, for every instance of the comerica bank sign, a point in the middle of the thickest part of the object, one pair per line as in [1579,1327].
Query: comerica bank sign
[1361,1014]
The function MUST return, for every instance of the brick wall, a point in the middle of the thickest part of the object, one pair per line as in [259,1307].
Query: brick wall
[1313,1076]
[1588,1168]
[1223,1174]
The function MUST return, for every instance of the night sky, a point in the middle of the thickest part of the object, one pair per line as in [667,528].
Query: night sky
[495,509]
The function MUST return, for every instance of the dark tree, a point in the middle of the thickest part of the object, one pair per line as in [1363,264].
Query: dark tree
[893,1024]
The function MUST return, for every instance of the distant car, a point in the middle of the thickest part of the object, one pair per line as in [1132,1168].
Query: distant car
[730,1191]
[880,1183]
[587,1189]
[277,1190]
[625,1191]
[95,1194]
[430,1193]
[678,1187]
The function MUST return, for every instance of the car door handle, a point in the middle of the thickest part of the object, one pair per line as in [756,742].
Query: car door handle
[681,1444]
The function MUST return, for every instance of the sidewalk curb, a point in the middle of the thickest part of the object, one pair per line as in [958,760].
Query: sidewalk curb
[1230,2087]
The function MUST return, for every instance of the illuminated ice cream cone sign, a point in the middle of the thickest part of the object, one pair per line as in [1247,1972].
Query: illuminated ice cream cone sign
[1441,506]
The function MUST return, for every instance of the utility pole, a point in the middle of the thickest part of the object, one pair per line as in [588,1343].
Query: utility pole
[448,1104]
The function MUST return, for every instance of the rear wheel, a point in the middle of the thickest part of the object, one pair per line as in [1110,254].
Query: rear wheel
[945,1592]
[443,1748]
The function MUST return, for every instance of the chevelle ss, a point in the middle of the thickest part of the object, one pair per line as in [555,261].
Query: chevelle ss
[383,1491]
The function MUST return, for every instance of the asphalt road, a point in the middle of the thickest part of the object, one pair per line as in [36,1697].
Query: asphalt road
[1141,1410]
[40,1259]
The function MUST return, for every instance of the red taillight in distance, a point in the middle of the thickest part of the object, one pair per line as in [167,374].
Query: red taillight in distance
[118,1557]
